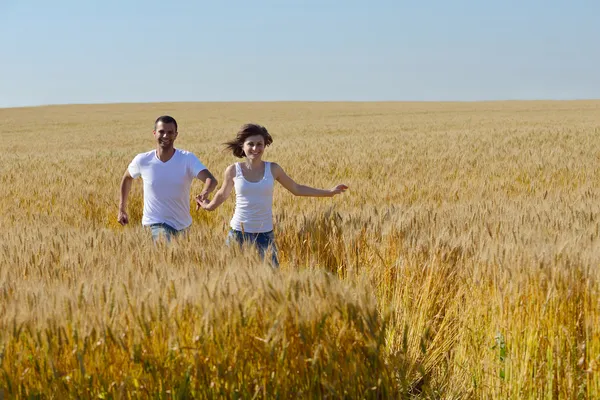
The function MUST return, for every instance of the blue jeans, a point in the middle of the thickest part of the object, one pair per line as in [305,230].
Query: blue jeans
[164,229]
[263,241]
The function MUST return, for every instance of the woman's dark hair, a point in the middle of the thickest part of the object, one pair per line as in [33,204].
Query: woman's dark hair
[236,145]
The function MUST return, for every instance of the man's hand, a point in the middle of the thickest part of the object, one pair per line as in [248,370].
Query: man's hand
[202,203]
[123,218]
[201,198]
[203,195]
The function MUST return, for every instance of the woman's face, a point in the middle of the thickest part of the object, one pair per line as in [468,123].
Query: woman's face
[254,146]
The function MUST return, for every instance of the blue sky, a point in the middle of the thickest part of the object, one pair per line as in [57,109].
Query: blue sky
[68,51]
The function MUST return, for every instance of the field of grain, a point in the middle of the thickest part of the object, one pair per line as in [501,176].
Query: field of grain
[463,262]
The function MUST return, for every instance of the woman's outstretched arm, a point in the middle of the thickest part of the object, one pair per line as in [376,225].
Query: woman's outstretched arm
[302,190]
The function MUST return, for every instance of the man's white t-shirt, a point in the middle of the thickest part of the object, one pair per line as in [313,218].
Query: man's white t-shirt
[166,186]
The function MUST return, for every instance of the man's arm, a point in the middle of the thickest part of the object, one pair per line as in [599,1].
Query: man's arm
[122,217]
[210,184]
[222,194]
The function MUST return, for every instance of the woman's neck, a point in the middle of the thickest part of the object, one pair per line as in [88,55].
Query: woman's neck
[254,164]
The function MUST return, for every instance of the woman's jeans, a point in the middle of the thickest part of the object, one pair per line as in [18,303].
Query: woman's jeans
[263,241]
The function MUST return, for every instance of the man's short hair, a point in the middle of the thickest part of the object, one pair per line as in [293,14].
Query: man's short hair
[165,119]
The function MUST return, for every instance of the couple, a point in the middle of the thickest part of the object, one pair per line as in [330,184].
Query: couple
[168,173]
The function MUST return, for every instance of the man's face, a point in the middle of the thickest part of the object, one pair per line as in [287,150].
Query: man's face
[165,134]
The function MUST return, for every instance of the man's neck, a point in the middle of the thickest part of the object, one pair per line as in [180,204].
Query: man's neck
[165,155]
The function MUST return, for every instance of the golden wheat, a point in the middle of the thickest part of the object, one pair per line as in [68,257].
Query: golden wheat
[462,263]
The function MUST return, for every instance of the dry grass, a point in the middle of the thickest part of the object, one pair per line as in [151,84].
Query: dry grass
[462,263]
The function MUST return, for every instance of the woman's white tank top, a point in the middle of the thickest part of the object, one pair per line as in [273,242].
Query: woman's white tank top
[253,202]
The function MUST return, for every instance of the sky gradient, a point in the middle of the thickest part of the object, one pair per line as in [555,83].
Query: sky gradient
[109,51]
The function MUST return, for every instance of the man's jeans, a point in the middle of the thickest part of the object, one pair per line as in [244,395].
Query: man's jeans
[166,230]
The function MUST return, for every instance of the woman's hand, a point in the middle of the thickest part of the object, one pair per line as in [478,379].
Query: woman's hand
[338,189]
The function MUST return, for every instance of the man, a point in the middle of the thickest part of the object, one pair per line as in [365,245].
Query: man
[167,174]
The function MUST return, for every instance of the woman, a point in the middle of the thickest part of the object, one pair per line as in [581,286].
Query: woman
[253,180]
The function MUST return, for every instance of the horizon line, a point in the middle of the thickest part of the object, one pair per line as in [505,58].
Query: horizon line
[292,101]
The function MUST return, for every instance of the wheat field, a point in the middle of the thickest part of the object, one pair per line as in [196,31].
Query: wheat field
[461,263]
